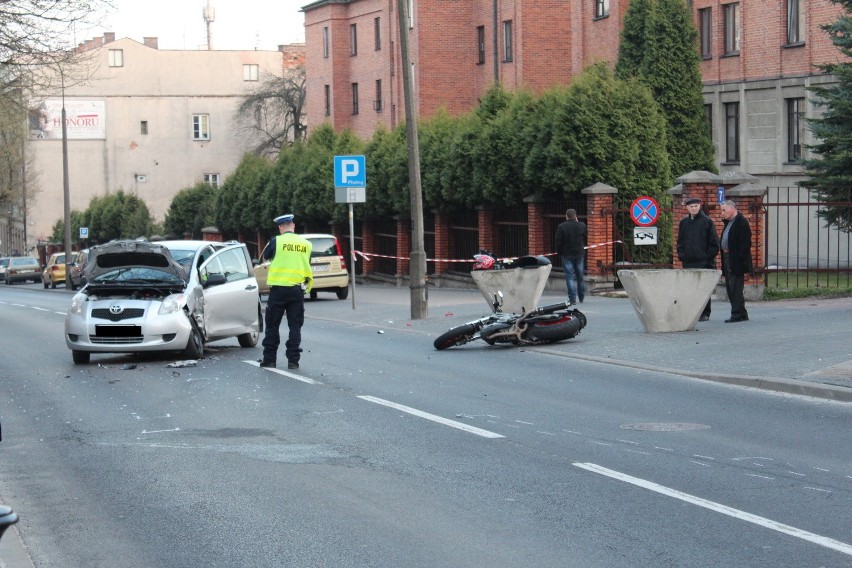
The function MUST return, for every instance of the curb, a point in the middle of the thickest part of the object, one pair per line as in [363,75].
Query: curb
[788,386]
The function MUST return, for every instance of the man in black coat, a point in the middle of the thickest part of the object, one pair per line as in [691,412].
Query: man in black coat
[570,244]
[697,242]
[736,258]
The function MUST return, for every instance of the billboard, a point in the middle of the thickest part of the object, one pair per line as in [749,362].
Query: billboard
[85,120]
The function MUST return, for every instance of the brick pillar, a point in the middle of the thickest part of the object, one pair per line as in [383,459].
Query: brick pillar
[369,245]
[403,246]
[442,240]
[536,227]
[600,200]
[211,234]
[486,229]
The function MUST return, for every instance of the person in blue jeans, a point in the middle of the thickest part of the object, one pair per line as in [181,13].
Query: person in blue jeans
[570,244]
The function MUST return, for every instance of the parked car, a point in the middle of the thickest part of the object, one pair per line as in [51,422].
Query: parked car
[163,296]
[78,263]
[4,262]
[54,270]
[327,264]
[23,269]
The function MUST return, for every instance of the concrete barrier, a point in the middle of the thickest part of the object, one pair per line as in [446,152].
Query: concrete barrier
[669,300]
[521,287]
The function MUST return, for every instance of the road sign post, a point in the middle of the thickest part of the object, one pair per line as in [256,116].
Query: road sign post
[350,186]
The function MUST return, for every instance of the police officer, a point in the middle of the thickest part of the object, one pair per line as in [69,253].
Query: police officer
[289,279]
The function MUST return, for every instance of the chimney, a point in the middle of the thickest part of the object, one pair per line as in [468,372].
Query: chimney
[90,44]
[150,42]
[109,37]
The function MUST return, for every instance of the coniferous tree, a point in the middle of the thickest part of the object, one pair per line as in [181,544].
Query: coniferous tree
[664,34]
[831,171]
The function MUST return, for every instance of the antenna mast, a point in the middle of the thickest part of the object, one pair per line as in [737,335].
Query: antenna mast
[209,14]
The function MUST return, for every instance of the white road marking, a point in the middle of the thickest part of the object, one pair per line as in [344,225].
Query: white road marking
[433,417]
[796,473]
[638,452]
[160,431]
[702,457]
[700,463]
[40,309]
[599,443]
[817,489]
[60,313]
[285,373]
[760,476]
[719,508]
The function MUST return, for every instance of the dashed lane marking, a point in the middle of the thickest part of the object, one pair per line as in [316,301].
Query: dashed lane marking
[433,417]
[719,508]
[285,373]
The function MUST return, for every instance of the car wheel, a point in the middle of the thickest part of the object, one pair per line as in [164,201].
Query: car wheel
[195,346]
[248,339]
[342,293]
[313,294]
[45,285]
[81,357]
[53,284]
[73,286]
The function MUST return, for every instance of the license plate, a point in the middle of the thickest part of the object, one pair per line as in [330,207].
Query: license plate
[118,331]
[26,271]
[319,268]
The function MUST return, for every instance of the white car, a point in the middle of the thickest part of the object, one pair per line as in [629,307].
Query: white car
[163,296]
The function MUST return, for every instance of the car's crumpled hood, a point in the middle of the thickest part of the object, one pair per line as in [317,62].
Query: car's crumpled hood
[120,254]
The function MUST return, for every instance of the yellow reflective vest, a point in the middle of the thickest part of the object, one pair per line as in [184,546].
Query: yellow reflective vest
[291,264]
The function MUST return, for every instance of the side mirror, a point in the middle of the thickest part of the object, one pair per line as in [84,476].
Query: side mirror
[215,280]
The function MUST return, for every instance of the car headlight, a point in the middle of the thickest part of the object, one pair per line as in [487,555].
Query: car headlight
[76,306]
[173,303]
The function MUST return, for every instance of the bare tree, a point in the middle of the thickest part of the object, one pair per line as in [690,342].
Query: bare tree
[273,115]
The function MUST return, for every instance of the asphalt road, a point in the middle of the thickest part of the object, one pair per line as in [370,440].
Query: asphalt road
[381,451]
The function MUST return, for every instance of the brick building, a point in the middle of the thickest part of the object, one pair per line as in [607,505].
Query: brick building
[757,61]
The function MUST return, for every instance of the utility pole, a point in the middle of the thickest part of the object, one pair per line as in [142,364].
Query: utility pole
[417,264]
[66,191]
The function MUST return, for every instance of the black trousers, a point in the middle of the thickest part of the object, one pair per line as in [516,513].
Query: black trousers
[734,283]
[289,300]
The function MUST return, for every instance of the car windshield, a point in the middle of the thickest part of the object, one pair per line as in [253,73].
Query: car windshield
[137,275]
[183,256]
[4,262]
[23,261]
[59,259]
[323,246]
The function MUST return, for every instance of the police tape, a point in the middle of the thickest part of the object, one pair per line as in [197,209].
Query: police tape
[368,256]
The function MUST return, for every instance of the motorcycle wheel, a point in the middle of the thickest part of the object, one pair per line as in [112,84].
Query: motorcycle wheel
[564,327]
[456,336]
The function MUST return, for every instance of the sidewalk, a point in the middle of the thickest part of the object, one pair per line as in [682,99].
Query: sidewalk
[796,346]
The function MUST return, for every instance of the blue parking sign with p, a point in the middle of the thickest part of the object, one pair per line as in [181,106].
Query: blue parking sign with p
[350,171]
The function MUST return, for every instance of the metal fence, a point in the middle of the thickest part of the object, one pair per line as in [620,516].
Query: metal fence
[464,241]
[801,248]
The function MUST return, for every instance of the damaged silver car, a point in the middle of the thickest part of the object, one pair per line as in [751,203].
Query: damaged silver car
[164,296]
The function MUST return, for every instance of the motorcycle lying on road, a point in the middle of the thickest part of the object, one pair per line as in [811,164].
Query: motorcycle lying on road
[547,324]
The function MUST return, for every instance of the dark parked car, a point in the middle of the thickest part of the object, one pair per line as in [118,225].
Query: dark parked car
[77,266]
[4,262]
[22,269]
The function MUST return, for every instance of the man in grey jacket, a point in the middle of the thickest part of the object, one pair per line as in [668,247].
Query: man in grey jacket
[697,242]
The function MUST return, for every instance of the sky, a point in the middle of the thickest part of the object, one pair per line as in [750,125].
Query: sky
[179,24]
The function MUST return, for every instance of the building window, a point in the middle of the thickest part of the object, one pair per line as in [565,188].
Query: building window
[507,40]
[377,104]
[480,45]
[354,98]
[325,43]
[201,127]
[705,30]
[601,8]
[732,133]
[143,127]
[732,29]
[328,100]
[377,31]
[795,129]
[116,57]
[251,72]
[212,179]
[708,119]
[795,23]
[353,39]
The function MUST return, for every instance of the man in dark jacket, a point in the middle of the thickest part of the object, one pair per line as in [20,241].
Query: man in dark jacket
[570,244]
[697,242]
[736,258]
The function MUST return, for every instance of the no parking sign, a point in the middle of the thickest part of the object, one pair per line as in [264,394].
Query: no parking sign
[644,211]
